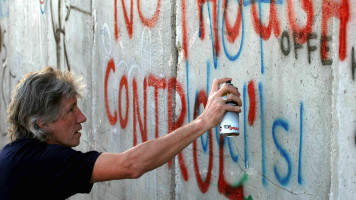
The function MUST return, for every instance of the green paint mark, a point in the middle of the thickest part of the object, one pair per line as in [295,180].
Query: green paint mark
[248,198]
[243,179]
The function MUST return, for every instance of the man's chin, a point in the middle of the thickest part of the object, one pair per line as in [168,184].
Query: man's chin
[76,138]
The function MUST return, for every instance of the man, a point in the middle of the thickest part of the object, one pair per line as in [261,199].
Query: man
[45,122]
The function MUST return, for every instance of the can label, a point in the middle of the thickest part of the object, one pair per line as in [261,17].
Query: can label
[229,126]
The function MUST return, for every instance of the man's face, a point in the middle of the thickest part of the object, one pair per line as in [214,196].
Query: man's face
[65,131]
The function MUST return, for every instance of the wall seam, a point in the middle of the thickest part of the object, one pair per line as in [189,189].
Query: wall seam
[174,68]
[334,142]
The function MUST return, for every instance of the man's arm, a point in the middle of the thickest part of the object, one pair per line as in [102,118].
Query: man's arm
[151,154]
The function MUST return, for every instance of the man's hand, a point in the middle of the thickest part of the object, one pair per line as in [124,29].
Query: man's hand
[216,107]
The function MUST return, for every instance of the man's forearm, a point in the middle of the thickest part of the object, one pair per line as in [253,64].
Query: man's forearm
[154,153]
[146,156]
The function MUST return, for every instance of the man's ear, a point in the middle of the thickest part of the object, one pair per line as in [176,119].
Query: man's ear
[42,124]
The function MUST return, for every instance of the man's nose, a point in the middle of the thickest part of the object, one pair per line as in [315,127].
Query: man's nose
[80,117]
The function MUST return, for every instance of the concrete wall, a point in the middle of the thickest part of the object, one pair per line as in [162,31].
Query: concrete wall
[149,65]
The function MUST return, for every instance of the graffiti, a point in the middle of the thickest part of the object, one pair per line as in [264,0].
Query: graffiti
[231,191]
[157,83]
[283,124]
[128,22]
[286,46]
[173,121]
[305,44]
[250,89]
[148,22]
[112,119]
[273,24]
[215,40]
[140,120]
[334,9]
[233,32]
[244,121]
[4,8]
[252,109]
[263,149]
[6,71]
[297,37]
[300,179]
[58,28]
[175,86]
[136,112]
[2,44]
[301,34]
[105,32]
[285,40]
[184,31]
[43,6]
[203,185]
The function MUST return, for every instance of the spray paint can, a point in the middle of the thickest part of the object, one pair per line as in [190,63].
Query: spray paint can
[229,126]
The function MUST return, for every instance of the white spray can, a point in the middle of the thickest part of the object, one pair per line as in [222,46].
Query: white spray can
[229,126]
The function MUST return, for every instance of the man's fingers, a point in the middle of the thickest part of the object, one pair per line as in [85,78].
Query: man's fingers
[233,108]
[217,82]
[228,89]
[234,98]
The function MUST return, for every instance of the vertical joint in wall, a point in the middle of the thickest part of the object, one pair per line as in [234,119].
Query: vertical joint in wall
[174,72]
[334,142]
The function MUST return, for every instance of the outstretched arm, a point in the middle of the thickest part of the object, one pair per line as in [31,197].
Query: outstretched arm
[151,154]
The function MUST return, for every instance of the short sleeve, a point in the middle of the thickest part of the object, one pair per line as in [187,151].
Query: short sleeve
[30,169]
[66,170]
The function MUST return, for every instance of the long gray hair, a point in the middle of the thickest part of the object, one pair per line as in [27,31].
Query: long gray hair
[38,96]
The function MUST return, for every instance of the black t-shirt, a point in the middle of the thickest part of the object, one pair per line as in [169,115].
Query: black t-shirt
[30,169]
